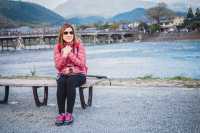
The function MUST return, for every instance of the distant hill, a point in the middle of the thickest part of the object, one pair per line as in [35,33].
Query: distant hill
[182,14]
[6,23]
[86,20]
[138,14]
[17,13]
[104,8]
[30,14]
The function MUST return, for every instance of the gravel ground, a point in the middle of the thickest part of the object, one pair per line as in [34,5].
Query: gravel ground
[114,109]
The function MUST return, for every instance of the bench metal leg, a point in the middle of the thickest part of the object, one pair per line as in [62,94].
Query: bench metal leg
[37,100]
[82,98]
[5,100]
[90,96]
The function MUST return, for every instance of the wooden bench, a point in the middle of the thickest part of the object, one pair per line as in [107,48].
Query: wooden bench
[47,82]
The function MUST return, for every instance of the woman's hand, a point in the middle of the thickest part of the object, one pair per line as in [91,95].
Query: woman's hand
[67,70]
[66,50]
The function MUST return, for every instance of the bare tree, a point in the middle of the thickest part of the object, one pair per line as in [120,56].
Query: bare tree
[160,11]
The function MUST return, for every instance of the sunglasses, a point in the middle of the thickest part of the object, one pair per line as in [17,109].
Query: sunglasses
[66,33]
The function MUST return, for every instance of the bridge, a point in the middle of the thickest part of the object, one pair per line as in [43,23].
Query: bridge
[47,40]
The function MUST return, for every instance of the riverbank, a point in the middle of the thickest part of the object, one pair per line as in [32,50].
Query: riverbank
[171,36]
[154,83]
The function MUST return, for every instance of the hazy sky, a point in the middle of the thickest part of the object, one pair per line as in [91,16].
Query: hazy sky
[108,8]
[53,3]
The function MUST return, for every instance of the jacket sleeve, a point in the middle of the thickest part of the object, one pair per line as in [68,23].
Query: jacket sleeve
[58,59]
[79,60]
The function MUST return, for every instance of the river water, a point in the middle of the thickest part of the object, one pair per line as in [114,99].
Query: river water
[125,60]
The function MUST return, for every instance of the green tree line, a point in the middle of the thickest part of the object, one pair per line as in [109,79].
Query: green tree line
[192,20]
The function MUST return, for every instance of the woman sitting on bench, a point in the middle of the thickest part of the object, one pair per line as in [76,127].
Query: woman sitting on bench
[70,62]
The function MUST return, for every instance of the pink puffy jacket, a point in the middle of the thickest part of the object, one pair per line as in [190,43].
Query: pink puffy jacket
[74,63]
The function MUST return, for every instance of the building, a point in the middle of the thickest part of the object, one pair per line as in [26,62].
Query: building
[178,21]
[170,25]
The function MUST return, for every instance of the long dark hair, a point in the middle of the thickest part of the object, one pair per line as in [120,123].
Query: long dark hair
[60,37]
[61,42]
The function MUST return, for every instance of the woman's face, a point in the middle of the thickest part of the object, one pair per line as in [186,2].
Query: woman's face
[68,35]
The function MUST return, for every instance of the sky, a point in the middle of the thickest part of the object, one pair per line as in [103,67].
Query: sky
[108,8]
[52,4]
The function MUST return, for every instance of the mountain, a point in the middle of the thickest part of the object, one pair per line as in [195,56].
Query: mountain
[105,8]
[109,8]
[6,23]
[25,13]
[138,14]
[182,14]
[86,20]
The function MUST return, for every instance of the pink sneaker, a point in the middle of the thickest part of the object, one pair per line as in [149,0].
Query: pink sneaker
[60,120]
[68,118]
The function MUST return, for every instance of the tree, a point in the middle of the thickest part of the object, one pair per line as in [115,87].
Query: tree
[192,22]
[196,25]
[106,26]
[114,26]
[197,14]
[143,27]
[154,28]
[190,14]
[160,11]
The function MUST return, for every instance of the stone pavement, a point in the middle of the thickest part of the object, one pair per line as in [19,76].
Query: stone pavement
[114,110]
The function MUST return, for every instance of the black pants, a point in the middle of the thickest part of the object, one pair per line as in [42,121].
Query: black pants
[66,89]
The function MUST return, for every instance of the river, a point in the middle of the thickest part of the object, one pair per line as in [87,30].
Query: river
[125,60]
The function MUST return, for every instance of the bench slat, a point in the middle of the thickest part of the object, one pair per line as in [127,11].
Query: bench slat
[40,82]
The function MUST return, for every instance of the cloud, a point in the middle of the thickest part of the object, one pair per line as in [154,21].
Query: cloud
[51,4]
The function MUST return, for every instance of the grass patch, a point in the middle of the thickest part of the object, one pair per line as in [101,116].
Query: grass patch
[147,77]
[180,78]
[151,77]
[33,71]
